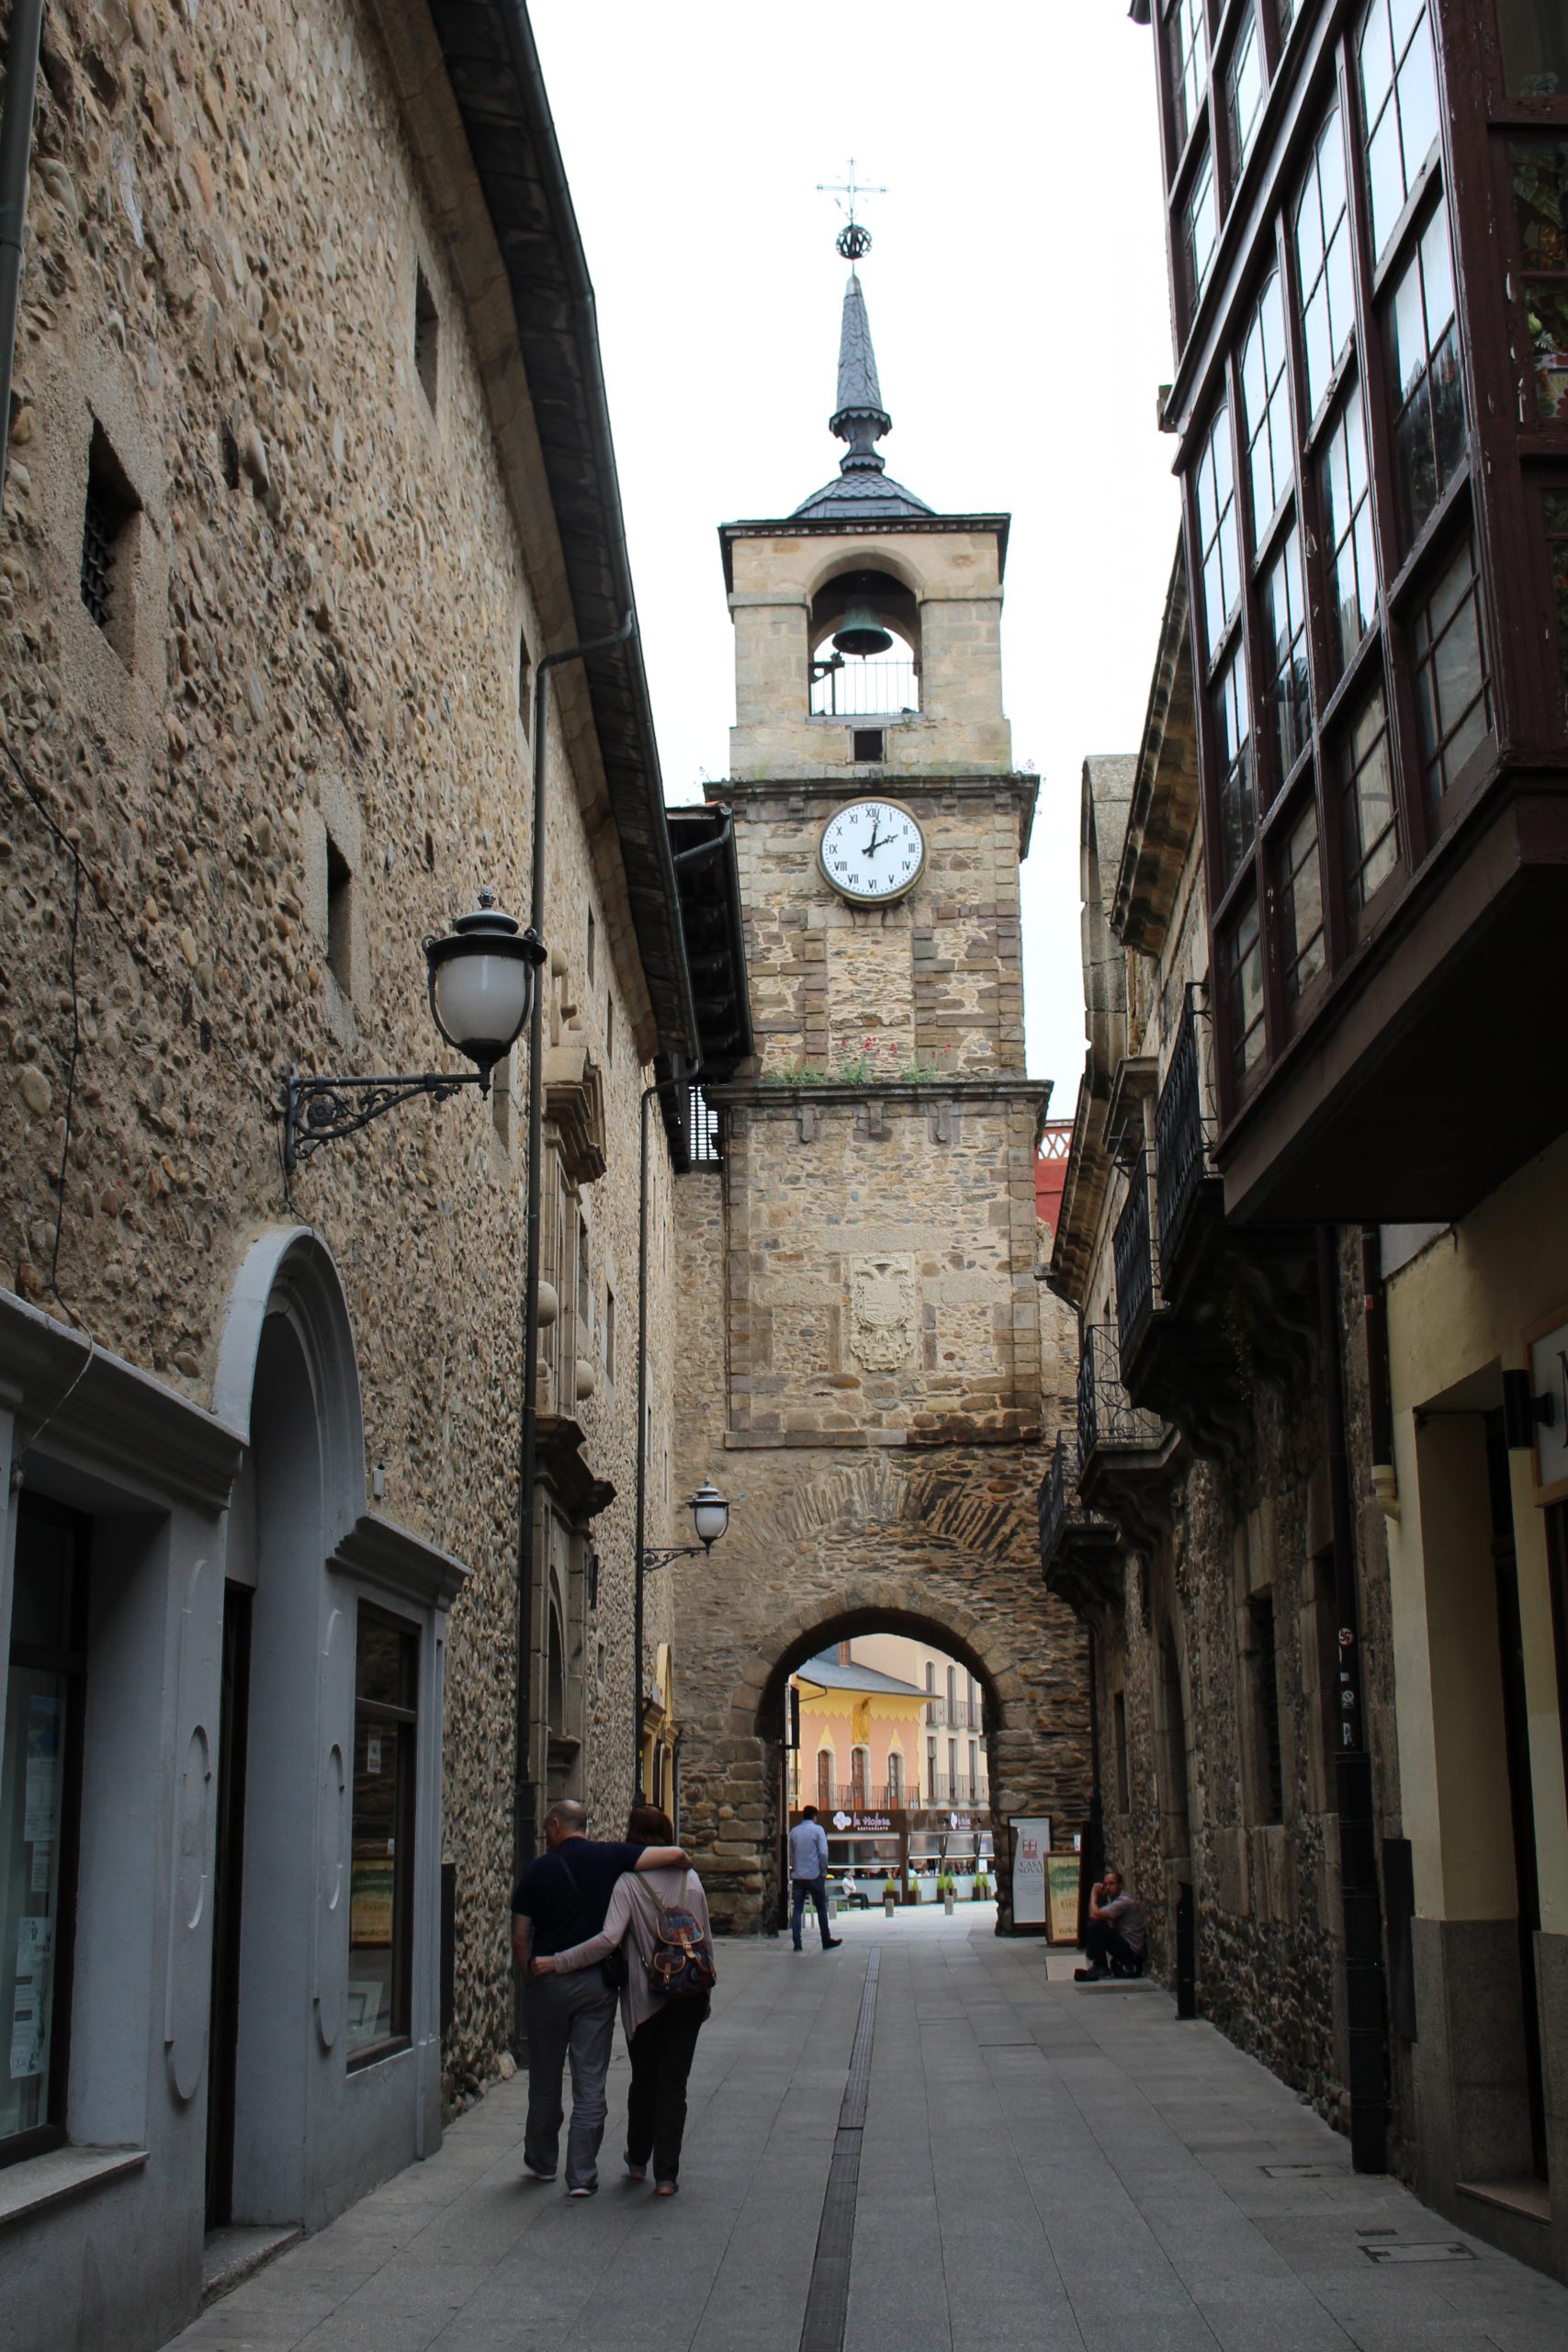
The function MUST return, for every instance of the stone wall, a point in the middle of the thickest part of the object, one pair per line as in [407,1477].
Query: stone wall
[230,812]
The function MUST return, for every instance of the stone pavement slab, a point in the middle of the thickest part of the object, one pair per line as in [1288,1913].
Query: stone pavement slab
[1040,2168]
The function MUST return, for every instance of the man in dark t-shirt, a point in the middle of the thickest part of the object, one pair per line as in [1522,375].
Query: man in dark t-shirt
[560,1900]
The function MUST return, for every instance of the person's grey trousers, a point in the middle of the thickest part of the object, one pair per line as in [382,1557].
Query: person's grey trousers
[568,2017]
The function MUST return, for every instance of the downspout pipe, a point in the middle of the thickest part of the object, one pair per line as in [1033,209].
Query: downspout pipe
[16,156]
[523,1792]
[1365,2003]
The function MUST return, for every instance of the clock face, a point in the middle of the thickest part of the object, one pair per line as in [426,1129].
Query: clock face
[872,851]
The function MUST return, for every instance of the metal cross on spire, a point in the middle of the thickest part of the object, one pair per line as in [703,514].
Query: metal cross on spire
[853,241]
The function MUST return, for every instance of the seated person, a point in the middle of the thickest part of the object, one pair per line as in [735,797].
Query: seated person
[1115,1941]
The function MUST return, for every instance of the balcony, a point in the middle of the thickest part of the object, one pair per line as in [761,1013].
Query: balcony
[1124,1449]
[1079,1549]
[958,1714]
[1188,1287]
[1133,1253]
[957,1788]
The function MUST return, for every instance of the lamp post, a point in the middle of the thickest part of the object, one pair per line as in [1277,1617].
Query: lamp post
[710,1517]
[481,977]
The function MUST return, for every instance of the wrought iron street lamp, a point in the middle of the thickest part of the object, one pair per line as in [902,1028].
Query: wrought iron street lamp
[482,978]
[710,1517]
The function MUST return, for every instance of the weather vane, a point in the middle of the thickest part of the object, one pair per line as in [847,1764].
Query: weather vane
[853,241]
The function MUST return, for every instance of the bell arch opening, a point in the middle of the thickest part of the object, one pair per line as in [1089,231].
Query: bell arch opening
[864,636]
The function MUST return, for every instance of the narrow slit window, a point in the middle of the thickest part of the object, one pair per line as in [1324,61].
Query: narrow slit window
[1301,952]
[1323,257]
[426,336]
[340,918]
[108,515]
[1242,958]
[1265,1665]
[525,680]
[1367,825]
[1428,433]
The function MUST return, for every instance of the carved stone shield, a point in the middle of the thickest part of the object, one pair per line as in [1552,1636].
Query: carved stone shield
[882,1311]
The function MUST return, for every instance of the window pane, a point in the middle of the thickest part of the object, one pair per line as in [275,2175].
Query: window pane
[1189,41]
[1539,169]
[40,1699]
[1300,903]
[1244,93]
[1347,514]
[1372,838]
[1242,955]
[1399,106]
[1323,252]
[379,1920]
[1233,744]
[1452,699]
[1216,495]
[1534,46]
[1284,624]
[1202,228]
[1267,405]
[1429,432]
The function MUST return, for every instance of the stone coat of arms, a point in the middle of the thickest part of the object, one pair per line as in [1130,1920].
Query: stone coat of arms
[882,1311]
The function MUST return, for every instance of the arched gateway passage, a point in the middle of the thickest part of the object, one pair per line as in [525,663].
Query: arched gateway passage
[943,1548]
[882,1821]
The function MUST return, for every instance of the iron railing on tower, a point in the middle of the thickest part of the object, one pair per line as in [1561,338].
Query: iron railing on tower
[848,688]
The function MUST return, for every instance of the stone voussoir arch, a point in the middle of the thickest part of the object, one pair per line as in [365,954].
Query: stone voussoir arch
[875,1604]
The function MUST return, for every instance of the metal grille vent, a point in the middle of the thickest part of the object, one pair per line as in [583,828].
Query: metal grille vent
[99,524]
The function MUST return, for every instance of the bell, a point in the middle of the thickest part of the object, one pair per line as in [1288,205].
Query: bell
[861,632]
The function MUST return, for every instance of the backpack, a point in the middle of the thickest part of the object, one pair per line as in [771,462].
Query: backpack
[682,1966]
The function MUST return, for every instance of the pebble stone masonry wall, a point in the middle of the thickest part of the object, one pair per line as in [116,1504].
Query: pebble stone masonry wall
[313,637]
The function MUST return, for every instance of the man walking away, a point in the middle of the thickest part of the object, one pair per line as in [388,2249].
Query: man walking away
[1115,1939]
[808,1870]
[561,1900]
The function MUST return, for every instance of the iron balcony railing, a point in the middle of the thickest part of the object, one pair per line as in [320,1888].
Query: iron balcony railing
[1107,1416]
[957,1788]
[873,689]
[1132,1248]
[1183,1136]
[963,1714]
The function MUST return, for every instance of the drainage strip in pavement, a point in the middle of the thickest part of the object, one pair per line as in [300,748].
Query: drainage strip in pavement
[827,2298]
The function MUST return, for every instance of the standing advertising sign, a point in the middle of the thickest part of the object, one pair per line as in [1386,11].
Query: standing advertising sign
[1030,1845]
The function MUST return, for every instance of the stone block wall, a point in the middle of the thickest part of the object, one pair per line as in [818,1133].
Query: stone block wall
[936,979]
[229,813]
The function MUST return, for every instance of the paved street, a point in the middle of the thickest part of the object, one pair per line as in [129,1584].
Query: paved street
[1040,2166]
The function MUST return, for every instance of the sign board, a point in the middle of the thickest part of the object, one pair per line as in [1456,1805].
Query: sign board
[1062,1874]
[1030,1845]
[862,1824]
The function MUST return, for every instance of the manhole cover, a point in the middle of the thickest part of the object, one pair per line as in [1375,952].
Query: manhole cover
[1433,2250]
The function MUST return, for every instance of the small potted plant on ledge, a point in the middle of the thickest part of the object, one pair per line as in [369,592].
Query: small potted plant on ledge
[890,1896]
[948,1890]
[982,1890]
[914,1883]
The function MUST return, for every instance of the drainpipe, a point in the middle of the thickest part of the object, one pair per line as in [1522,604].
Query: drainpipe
[15,154]
[522,1784]
[1364,2001]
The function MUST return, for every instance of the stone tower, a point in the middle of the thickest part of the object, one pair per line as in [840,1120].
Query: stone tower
[864,1332]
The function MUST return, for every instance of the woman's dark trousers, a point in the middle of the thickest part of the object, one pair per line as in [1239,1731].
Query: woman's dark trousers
[662,2049]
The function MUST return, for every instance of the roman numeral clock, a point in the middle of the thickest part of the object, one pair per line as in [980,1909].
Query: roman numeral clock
[872,851]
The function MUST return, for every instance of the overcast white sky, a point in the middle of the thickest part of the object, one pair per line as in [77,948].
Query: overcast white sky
[1018,302]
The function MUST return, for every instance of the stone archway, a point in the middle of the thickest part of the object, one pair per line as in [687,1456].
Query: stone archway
[942,1545]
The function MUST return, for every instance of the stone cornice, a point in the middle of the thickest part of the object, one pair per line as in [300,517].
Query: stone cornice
[103,1415]
[378,1552]
[785,1094]
[894,784]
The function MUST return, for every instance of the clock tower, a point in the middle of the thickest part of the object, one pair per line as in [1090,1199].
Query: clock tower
[872,1363]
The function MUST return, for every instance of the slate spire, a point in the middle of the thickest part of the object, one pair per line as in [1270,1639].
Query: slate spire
[860,418]
[863,488]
